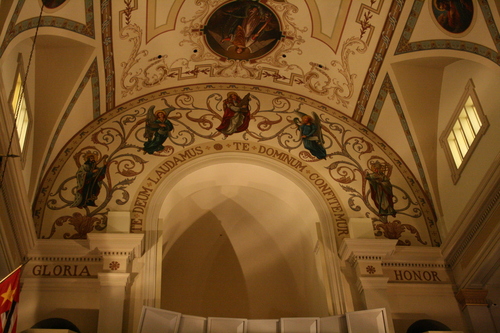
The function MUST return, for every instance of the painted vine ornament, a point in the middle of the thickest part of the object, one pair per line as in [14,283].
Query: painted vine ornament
[243,39]
[394,230]
[377,194]
[349,159]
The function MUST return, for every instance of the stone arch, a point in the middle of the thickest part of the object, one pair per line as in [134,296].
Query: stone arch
[324,202]
[351,148]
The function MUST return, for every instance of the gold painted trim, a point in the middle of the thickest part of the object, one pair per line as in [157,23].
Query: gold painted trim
[151,30]
[334,39]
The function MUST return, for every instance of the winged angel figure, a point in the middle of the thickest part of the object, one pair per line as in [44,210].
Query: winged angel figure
[311,135]
[157,129]
[245,32]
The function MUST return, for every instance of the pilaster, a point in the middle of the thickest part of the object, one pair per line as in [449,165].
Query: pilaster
[118,250]
[113,294]
[365,257]
[475,309]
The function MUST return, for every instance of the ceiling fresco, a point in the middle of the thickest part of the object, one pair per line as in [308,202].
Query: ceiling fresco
[489,49]
[302,83]
[276,50]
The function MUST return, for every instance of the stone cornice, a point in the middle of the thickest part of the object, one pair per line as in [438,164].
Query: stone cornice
[466,297]
[64,259]
[413,265]
[58,250]
[415,257]
[117,244]
[366,249]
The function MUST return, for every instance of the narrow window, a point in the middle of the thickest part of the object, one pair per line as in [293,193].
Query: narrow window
[19,106]
[463,132]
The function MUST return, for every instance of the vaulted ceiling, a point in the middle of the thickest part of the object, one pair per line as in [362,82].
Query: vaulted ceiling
[100,67]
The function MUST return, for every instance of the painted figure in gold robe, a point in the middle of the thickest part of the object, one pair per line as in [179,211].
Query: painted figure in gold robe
[236,114]
[89,180]
[381,189]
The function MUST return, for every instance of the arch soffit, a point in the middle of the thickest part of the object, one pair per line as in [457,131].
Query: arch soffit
[322,204]
[332,229]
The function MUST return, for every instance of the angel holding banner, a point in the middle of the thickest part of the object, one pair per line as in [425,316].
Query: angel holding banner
[311,135]
[157,129]
[236,114]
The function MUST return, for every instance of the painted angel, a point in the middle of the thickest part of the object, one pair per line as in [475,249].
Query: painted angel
[236,114]
[311,135]
[246,31]
[157,129]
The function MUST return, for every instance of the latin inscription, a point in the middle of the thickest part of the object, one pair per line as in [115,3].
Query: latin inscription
[411,275]
[60,270]
[321,184]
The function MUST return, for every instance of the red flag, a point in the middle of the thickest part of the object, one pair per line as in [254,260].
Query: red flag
[9,297]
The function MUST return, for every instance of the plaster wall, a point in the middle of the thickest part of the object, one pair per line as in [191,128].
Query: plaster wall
[243,240]
[486,81]
[412,302]
[76,300]
[9,66]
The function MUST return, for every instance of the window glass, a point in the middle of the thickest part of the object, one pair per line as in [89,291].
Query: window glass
[463,132]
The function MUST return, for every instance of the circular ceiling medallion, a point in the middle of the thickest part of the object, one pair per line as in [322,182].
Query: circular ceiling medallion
[454,16]
[242,30]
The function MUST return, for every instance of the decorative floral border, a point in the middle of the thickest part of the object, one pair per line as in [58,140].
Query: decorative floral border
[378,58]
[340,162]
[334,80]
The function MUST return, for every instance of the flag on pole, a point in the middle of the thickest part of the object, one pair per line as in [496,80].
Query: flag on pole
[9,297]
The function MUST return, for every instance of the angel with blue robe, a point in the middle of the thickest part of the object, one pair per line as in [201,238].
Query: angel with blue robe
[311,135]
[157,129]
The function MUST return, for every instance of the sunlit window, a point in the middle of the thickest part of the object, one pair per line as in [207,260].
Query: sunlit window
[21,115]
[461,136]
